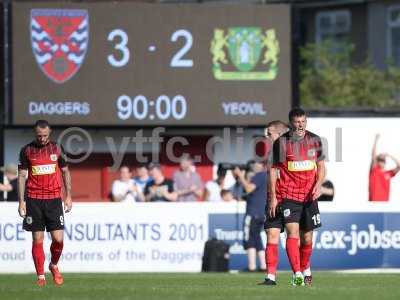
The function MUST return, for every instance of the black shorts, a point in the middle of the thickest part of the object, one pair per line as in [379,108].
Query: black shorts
[44,214]
[253,227]
[306,214]
[275,222]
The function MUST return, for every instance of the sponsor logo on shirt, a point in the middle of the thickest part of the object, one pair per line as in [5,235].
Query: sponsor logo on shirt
[303,165]
[43,169]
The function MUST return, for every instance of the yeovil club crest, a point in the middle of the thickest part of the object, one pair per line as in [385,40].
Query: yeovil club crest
[59,41]
[246,47]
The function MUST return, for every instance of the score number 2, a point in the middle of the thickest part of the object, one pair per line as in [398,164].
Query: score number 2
[121,45]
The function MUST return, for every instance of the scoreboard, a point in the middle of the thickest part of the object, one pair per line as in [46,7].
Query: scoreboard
[121,63]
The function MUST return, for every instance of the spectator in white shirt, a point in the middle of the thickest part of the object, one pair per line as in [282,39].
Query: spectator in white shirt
[124,189]
[213,188]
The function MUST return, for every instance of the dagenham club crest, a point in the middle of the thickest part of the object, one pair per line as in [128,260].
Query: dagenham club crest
[59,41]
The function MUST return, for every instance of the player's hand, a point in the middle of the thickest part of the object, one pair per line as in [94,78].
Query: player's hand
[273,204]
[316,192]
[22,209]
[67,204]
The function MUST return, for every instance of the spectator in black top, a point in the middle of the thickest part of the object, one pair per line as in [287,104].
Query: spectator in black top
[160,189]
[11,173]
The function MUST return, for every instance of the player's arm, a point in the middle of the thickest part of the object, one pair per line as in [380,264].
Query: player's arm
[373,154]
[22,177]
[316,192]
[66,175]
[277,157]
[68,188]
[248,186]
[273,202]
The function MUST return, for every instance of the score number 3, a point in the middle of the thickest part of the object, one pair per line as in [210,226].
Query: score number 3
[121,46]
[177,60]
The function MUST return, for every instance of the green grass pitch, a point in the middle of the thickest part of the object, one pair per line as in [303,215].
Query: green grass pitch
[327,285]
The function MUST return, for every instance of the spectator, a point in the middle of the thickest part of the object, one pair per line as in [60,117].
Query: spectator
[142,177]
[237,189]
[379,178]
[256,190]
[11,173]
[227,196]
[124,189]
[160,189]
[212,192]
[188,184]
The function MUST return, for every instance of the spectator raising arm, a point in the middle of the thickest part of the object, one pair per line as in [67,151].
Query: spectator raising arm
[374,155]
[397,162]
[248,186]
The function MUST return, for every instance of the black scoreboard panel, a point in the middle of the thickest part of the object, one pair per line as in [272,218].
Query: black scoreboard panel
[121,63]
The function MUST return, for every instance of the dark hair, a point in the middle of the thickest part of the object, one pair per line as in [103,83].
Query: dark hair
[141,165]
[277,123]
[221,172]
[41,124]
[296,112]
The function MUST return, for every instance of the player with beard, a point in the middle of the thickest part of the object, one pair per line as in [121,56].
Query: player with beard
[43,172]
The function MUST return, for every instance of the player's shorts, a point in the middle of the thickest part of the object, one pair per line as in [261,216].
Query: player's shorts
[311,218]
[44,214]
[306,214]
[253,227]
[275,222]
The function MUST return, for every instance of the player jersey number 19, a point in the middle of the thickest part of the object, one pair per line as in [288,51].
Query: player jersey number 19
[317,219]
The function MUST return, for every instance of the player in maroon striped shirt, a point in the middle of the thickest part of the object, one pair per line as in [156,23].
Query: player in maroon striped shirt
[299,160]
[42,173]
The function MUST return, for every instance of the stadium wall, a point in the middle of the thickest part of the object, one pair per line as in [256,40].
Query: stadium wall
[169,237]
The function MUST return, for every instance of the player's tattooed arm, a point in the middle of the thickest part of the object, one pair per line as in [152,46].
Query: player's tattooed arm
[22,174]
[67,180]
[68,188]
